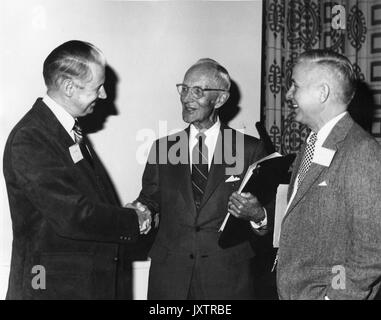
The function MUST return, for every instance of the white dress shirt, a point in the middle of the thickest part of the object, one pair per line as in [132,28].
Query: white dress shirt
[211,136]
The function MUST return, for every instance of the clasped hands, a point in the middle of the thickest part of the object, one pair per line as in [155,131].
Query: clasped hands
[144,216]
[246,206]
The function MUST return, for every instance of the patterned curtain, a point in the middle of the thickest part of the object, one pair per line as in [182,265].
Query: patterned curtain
[293,26]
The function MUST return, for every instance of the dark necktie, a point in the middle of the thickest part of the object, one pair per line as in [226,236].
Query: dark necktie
[307,158]
[78,137]
[199,168]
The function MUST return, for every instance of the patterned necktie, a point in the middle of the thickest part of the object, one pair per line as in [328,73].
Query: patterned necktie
[307,158]
[78,137]
[199,168]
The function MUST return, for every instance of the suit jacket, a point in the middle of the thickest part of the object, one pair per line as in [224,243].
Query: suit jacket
[330,242]
[187,239]
[65,216]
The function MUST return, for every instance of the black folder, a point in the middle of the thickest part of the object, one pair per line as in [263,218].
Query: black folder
[261,179]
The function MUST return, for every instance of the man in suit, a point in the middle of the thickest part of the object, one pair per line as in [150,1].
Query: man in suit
[70,236]
[330,243]
[190,180]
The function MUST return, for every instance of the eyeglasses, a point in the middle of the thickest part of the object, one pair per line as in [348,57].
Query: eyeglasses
[197,92]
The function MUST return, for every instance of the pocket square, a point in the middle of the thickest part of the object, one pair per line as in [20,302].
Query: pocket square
[323,184]
[232,179]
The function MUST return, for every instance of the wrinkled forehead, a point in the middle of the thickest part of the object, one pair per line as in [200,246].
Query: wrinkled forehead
[201,75]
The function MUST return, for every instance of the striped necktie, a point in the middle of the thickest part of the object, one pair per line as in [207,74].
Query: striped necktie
[199,168]
[307,158]
[78,137]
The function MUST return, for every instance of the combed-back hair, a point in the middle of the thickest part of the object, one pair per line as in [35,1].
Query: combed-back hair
[71,60]
[340,66]
[221,74]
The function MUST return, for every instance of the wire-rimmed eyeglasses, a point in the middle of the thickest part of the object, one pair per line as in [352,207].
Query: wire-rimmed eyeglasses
[197,92]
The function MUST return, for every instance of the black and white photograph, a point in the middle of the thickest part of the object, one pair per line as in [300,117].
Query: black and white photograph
[193,152]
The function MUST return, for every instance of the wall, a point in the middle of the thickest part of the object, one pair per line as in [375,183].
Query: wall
[149,46]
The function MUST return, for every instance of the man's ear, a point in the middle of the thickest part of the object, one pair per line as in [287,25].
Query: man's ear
[221,100]
[67,87]
[325,91]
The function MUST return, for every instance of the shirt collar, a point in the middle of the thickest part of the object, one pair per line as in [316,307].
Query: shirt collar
[65,118]
[213,131]
[326,129]
[211,136]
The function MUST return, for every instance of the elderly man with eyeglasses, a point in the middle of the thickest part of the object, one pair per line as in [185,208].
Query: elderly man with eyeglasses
[193,191]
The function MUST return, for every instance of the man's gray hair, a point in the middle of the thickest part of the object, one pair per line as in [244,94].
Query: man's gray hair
[71,60]
[340,66]
[222,74]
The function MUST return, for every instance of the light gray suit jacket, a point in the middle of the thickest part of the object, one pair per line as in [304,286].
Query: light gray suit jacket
[330,242]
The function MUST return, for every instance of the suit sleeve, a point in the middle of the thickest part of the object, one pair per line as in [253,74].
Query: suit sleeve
[259,152]
[52,191]
[150,193]
[360,275]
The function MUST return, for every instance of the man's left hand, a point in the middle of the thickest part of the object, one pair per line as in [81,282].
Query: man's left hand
[245,206]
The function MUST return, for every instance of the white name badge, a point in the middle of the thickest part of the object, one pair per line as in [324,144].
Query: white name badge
[75,152]
[323,156]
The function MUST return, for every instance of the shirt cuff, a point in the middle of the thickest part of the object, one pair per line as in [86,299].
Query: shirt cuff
[260,224]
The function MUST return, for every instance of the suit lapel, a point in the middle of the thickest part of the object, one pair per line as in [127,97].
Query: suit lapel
[183,184]
[295,172]
[333,141]
[55,131]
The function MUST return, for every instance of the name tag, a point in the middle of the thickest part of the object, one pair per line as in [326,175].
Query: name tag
[75,152]
[323,156]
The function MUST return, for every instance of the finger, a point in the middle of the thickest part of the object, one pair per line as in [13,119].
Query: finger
[234,210]
[240,198]
[129,206]
[246,195]
[141,207]
[148,230]
[235,195]
[233,213]
[148,225]
[143,227]
[239,204]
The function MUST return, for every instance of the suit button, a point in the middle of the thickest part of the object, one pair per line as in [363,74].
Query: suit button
[197,229]
[191,256]
[116,259]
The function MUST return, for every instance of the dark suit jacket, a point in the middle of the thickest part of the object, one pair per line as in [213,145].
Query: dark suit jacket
[187,239]
[333,225]
[65,216]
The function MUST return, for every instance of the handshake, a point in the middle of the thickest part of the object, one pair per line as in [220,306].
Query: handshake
[144,216]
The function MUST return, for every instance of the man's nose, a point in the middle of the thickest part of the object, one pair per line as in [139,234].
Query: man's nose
[102,93]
